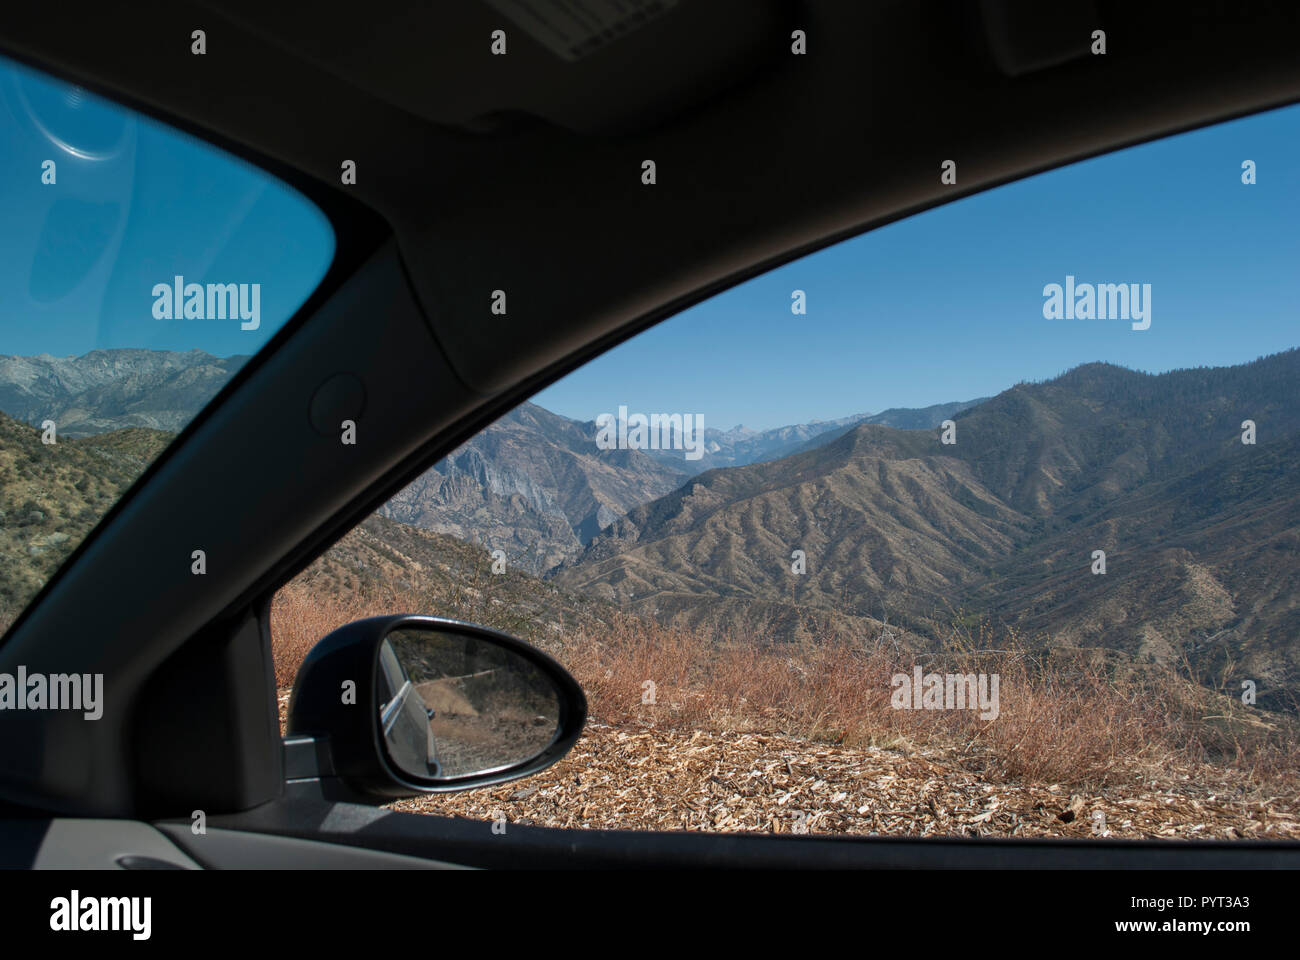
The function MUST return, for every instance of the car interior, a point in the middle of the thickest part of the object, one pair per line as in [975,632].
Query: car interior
[448,173]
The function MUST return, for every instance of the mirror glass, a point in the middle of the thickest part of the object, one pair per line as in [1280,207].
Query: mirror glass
[459,704]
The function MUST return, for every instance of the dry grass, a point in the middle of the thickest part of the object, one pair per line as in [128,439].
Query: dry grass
[1068,718]
[301,616]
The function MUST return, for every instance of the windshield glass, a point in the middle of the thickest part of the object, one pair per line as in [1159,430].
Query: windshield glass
[984,523]
[140,268]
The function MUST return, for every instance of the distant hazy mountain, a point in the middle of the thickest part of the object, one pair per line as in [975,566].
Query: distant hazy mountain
[1200,531]
[903,418]
[740,445]
[112,389]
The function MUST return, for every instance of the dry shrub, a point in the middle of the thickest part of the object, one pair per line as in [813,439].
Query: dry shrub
[1066,718]
[301,615]
[1069,719]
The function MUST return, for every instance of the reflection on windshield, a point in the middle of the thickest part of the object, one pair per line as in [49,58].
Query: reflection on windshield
[139,269]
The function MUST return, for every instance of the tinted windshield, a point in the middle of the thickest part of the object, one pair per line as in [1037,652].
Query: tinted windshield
[140,268]
[982,523]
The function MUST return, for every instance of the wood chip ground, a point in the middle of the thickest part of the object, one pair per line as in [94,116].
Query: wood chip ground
[648,779]
[619,778]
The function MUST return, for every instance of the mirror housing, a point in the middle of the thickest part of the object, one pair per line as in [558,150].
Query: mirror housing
[351,687]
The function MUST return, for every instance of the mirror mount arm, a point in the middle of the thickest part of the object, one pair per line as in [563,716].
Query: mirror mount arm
[309,773]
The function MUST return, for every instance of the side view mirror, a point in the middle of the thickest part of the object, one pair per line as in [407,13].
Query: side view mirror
[400,705]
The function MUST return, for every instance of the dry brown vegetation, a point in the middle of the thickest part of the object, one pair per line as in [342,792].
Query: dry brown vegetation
[1072,725]
[620,777]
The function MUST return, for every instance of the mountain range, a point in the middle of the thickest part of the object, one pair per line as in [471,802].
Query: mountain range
[1199,530]
[741,445]
[870,526]
[112,389]
[533,484]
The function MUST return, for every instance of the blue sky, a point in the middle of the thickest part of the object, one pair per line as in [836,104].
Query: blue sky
[948,305]
[134,204]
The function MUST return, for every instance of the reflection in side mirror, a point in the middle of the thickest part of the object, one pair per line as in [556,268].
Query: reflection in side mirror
[400,705]
[453,705]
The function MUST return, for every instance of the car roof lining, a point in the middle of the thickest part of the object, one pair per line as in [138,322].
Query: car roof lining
[477,208]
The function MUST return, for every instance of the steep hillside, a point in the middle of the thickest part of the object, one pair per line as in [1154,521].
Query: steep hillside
[532,484]
[1199,529]
[52,495]
[381,560]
